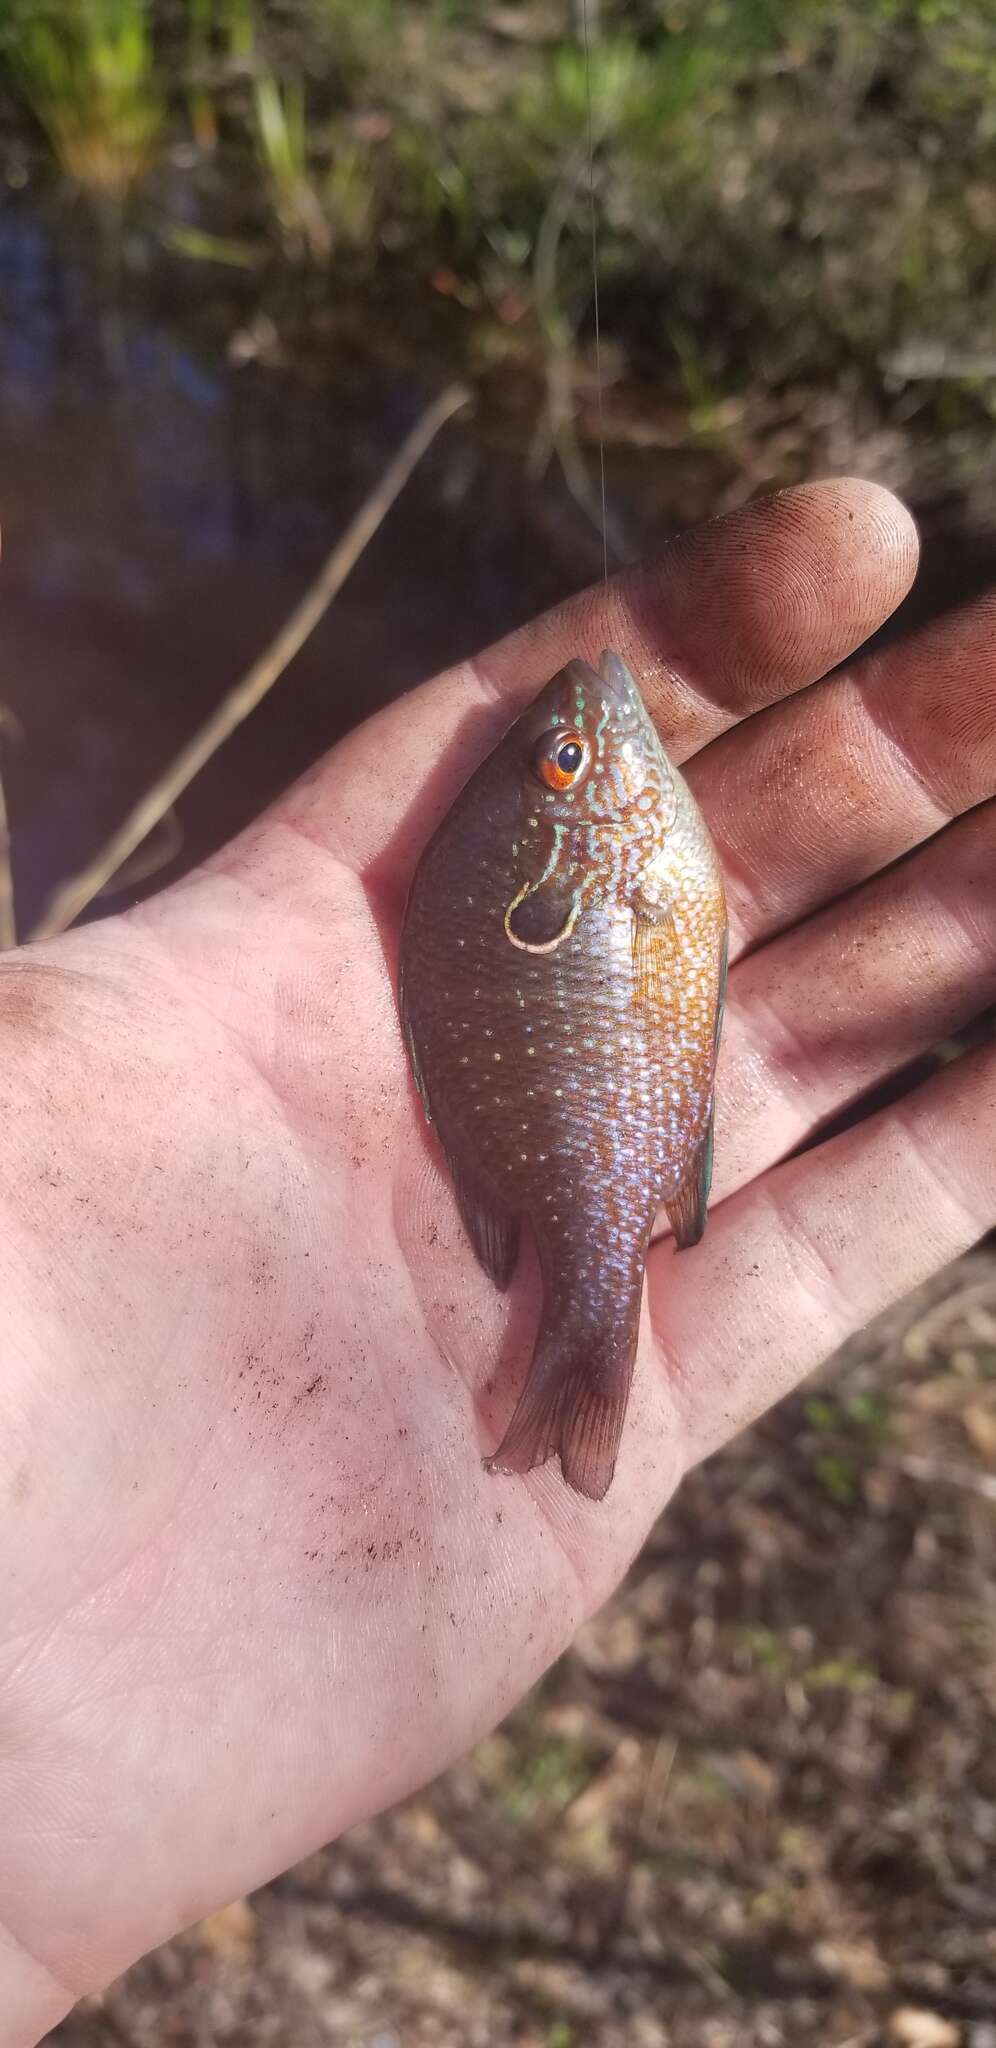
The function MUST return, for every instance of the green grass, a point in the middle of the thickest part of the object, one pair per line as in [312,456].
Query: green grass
[316,209]
[86,69]
[546,1774]
[237,26]
[221,34]
[281,132]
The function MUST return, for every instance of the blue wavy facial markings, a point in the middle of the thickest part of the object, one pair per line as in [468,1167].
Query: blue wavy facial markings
[608,831]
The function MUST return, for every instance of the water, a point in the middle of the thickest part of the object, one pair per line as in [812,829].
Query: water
[163,509]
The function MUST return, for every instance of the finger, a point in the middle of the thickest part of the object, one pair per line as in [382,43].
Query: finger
[846,779]
[818,1017]
[815,1248]
[727,618]
[735,613]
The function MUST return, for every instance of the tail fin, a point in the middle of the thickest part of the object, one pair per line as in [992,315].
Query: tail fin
[574,1404]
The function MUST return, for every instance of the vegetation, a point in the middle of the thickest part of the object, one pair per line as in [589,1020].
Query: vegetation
[87,74]
[788,191]
[282,145]
[314,210]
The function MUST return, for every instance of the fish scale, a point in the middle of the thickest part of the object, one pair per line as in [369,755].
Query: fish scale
[562,968]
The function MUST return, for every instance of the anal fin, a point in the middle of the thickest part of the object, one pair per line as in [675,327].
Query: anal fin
[492,1228]
[687,1212]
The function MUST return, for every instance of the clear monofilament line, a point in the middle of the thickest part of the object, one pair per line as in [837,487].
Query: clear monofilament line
[594,279]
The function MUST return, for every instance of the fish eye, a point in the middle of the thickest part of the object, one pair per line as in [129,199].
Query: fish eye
[562,758]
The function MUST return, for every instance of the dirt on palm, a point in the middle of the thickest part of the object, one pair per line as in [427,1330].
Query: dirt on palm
[754,1806]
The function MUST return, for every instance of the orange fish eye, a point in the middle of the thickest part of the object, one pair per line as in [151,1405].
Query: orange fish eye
[562,758]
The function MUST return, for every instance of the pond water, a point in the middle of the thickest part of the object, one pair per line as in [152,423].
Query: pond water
[164,506]
[163,509]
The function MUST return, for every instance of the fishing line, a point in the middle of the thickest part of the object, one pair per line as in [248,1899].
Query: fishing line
[594,279]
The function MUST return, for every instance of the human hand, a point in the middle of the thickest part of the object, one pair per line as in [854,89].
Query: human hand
[257,1583]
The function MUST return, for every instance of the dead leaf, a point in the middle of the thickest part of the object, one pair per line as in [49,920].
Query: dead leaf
[857,1963]
[912,2026]
[229,1933]
[979,1423]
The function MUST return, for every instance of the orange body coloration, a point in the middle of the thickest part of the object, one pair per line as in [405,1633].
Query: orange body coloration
[563,967]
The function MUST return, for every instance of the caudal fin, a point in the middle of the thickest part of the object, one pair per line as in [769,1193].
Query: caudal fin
[573,1404]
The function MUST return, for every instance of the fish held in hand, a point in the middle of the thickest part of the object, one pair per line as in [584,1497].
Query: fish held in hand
[563,964]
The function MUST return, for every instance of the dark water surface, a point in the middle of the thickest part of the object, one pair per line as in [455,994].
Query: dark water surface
[163,510]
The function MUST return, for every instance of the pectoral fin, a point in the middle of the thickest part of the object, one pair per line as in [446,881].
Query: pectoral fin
[653,953]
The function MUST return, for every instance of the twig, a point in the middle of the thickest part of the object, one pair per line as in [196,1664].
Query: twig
[73,896]
[153,853]
[707,1973]
[655,1790]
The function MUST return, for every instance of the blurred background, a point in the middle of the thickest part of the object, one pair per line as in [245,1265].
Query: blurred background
[243,244]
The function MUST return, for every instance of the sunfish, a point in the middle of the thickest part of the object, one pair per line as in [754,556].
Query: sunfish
[563,968]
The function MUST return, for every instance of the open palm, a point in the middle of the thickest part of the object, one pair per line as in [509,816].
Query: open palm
[257,1582]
